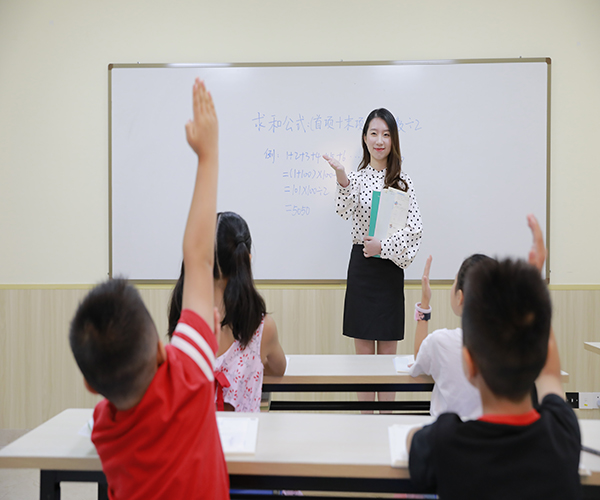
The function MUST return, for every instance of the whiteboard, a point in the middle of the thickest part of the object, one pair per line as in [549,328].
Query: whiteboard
[474,137]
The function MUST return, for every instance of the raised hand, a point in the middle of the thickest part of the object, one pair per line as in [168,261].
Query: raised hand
[425,287]
[340,171]
[537,254]
[203,131]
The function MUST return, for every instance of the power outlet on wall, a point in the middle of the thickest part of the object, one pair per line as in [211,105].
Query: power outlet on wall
[589,400]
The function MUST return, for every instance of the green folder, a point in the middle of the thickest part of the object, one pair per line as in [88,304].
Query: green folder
[374,212]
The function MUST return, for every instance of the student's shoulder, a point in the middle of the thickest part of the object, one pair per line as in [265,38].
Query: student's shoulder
[438,433]
[269,328]
[553,408]
[444,336]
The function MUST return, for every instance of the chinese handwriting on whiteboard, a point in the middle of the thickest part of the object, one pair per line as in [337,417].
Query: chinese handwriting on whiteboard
[301,123]
[305,178]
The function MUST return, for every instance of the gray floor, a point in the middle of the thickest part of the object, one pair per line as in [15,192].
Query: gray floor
[24,484]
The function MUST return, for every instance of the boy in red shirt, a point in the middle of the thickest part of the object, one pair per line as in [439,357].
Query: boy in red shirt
[156,432]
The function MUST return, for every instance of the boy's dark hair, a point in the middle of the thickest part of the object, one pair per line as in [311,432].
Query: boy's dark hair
[467,264]
[506,324]
[114,341]
[244,307]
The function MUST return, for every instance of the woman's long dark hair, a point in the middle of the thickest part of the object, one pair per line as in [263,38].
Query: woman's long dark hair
[394,159]
[244,307]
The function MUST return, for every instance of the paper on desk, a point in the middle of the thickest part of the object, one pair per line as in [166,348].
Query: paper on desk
[397,435]
[86,430]
[401,363]
[238,435]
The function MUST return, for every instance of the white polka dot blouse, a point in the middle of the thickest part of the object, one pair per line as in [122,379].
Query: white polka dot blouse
[355,201]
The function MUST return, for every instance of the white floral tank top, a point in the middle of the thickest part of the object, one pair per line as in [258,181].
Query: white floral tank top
[244,370]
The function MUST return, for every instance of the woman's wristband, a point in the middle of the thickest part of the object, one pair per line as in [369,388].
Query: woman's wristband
[422,314]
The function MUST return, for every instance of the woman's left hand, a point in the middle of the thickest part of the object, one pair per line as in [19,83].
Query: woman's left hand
[372,246]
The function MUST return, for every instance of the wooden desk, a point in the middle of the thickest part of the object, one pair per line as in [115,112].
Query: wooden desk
[345,373]
[592,346]
[325,452]
[348,373]
[321,452]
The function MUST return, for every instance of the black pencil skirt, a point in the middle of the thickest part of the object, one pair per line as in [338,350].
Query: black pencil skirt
[374,304]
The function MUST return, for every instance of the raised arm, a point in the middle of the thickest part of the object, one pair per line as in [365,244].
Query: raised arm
[549,380]
[537,254]
[198,242]
[422,325]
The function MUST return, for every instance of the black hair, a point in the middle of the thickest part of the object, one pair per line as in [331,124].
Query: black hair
[244,306]
[506,325]
[114,341]
[467,264]
[176,303]
[394,159]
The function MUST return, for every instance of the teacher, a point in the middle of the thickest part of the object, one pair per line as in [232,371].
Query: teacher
[374,303]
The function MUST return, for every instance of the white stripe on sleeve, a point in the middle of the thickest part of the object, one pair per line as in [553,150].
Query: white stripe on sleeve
[187,348]
[195,337]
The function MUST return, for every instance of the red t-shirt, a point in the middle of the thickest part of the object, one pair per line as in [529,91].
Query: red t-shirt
[168,445]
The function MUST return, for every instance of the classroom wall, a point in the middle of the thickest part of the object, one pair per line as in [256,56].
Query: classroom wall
[54,144]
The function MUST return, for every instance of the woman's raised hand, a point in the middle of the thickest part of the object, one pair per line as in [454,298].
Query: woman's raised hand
[340,171]
[336,165]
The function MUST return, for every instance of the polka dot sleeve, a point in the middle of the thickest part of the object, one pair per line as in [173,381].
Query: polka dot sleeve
[402,246]
[347,197]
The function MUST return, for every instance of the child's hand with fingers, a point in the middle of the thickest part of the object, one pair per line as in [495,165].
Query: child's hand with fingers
[203,131]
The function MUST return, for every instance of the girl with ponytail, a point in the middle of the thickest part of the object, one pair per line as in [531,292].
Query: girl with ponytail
[248,345]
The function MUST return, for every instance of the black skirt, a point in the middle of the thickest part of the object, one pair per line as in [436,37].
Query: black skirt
[374,304]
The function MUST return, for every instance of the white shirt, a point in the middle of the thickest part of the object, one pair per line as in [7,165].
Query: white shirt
[440,356]
[354,201]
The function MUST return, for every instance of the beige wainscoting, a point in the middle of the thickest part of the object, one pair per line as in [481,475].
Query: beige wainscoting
[39,378]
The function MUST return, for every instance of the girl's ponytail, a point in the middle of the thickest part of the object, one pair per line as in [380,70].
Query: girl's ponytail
[244,307]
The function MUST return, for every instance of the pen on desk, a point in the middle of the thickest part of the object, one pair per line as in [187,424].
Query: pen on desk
[590,450]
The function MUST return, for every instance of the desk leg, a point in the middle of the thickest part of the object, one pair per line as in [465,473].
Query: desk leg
[50,482]
[49,485]
[102,491]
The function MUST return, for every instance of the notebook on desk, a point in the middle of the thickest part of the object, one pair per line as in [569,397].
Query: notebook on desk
[238,435]
[403,363]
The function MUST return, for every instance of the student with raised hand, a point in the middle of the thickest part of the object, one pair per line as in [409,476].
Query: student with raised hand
[439,354]
[374,302]
[248,345]
[513,450]
[156,432]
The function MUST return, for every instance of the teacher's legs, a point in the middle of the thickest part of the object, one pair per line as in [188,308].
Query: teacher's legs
[365,347]
[386,347]
[368,347]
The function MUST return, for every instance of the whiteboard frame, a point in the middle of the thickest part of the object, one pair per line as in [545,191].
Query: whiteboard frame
[311,283]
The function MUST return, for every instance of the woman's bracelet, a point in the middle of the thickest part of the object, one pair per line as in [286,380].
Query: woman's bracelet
[422,314]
